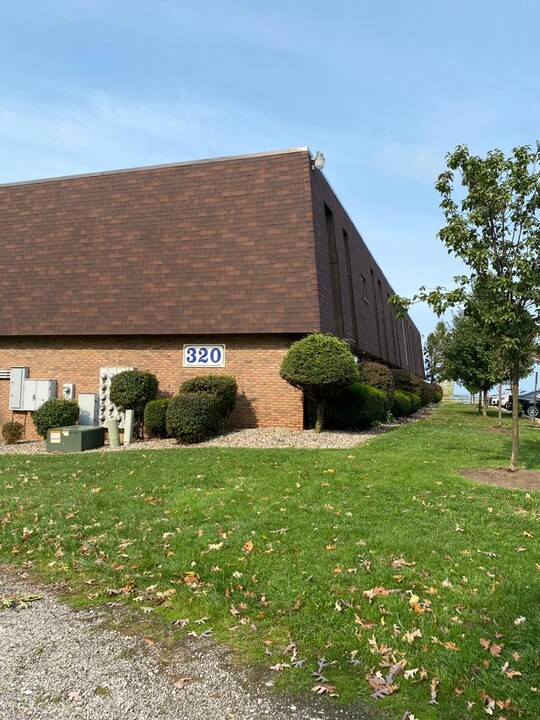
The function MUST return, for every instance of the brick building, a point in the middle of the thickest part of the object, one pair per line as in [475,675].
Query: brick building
[243,254]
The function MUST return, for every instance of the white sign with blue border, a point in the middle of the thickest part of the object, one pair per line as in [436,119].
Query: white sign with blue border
[204,356]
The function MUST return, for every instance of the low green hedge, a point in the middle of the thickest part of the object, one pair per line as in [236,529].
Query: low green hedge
[223,387]
[193,416]
[405,403]
[356,408]
[436,392]
[155,417]
[377,375]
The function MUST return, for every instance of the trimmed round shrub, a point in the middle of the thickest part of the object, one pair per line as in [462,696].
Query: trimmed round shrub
[192,416]
[319,365]
[416,403]
[378,376]
[132,390]
[436,392]
[425,393]
[409,382]
[12,432]
[155,417]
[401,404]
[55,413]
[356,408]
[223,387]
[405,404]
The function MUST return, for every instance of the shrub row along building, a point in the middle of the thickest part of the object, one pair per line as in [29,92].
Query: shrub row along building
[210,266]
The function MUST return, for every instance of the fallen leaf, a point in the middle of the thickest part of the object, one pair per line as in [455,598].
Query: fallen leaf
[410,636]
[323,688]
[510,672]
[401,562]
[279,667]
[182,682]
[365,624]
[248,546]
[451,646]
[433,686]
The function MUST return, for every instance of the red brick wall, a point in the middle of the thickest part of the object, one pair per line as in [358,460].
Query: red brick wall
[264,399]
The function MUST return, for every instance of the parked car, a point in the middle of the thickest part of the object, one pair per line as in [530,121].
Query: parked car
[505,397]
[528,404]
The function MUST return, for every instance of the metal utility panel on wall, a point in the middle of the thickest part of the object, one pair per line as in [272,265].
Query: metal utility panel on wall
[17,376]
[88,409]
[36,392]
[108,409]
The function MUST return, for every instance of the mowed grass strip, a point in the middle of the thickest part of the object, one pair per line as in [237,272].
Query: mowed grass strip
[380,559]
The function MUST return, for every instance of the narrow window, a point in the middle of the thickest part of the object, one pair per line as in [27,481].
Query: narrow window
[404,336]
[374,296]
[393,326]
[351,288]
[334,271]
[364,289]
[383,319]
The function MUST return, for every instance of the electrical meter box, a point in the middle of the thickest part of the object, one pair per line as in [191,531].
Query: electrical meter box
[88,408]
[17,376]
[75,438]
[36,392]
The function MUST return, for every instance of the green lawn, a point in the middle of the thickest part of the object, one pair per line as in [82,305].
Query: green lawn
[381,558]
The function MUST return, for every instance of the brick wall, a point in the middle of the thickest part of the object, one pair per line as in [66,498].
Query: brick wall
[381,335]
[264,399]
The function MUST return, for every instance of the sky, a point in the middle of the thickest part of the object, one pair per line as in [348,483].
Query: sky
[384,89]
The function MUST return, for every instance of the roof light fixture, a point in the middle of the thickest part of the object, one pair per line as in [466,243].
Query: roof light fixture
[318,161]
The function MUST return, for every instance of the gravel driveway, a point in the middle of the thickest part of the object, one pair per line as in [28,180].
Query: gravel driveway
[65,665]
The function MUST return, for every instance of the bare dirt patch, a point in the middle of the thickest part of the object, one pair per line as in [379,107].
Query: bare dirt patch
[517,480]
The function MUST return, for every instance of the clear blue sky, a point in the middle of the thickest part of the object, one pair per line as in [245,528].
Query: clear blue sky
[384,89]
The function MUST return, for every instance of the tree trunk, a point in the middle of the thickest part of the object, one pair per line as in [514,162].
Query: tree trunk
[320,415]
[480,402]
[514,380]
[499,403]
[484,403]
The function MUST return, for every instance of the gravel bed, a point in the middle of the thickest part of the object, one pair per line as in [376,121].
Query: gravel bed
[249,438]
[58,664]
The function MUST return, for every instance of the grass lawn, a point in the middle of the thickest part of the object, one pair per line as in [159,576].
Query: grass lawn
[381,559]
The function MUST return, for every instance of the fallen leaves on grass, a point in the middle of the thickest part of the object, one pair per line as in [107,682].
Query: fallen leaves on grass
[324,688]
[17,602]
[248,546]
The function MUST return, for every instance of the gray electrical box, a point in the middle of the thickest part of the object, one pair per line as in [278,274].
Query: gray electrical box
[88,409]
[17,376]
[68,391]
[36,392]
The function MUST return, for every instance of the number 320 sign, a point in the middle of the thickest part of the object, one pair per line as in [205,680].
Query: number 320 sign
[204,355]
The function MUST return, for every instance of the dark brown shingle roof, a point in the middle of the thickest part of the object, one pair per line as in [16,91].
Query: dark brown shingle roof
[221,246]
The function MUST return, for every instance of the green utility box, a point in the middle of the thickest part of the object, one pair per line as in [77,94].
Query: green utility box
[75,438]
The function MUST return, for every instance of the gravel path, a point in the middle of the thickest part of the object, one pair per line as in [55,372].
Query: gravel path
[65,665]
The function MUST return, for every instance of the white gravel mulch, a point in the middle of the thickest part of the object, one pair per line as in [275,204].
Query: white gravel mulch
[248,438]
[58,664]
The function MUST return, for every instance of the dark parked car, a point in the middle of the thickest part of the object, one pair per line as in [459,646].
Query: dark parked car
[527,403]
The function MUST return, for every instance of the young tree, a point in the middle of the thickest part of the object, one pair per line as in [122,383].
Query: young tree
[469,357]
[319,365]
[433,353]
[493,225]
